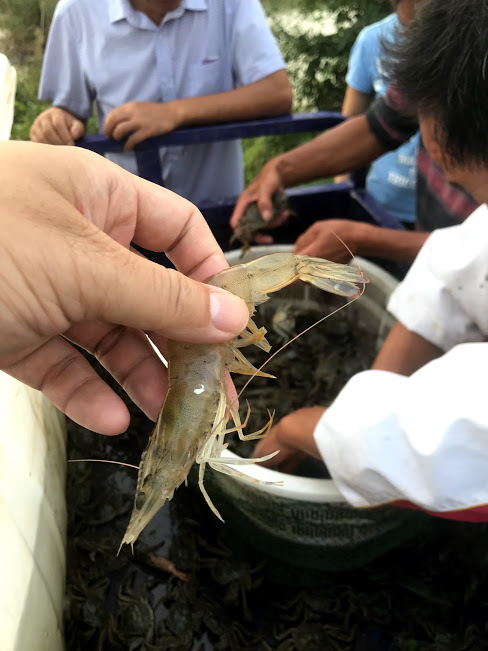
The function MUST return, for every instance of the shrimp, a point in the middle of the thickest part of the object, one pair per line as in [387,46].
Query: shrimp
[192,422]
[252,221]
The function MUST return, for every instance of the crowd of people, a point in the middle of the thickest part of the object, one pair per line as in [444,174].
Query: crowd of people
[413,430]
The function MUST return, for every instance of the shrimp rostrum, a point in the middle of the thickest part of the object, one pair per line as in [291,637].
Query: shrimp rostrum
[192,424]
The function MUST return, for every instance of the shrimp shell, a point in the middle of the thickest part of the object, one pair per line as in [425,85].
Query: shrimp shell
[192,422]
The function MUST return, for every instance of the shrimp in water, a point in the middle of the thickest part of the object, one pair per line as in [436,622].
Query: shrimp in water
[192,423]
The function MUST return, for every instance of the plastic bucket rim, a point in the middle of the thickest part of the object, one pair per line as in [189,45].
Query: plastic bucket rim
[301,489]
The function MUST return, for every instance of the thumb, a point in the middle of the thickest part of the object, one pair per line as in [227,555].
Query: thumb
[76,129]
[162,300]
[265,203]
[245,199]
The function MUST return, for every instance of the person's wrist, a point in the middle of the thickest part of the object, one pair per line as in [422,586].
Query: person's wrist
[179,113]
[280,166]
[359,236]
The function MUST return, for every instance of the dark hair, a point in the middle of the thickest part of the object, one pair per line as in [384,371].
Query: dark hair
[440,64]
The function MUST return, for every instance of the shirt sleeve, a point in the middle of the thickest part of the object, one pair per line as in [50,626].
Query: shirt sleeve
[421,439]
[444,297]
[359,71]
[264,57]
[62,77]
[391,119]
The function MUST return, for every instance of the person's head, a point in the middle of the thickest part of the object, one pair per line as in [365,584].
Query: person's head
[405,10]
[440,65]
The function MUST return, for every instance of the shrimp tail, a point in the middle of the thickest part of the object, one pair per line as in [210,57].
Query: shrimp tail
[148,501]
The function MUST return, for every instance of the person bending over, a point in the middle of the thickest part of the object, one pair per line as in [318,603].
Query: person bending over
[414,429]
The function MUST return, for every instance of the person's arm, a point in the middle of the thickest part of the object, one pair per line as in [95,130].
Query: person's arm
[326,239]
[404,351]
[266,97]
[68,274]
[348,146]
[62,81]
[355,103]
[293,437]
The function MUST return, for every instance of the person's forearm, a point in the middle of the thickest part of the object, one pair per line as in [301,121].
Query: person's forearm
[344,148]
[267,97]
[388,243]
[404,352]
[355,102]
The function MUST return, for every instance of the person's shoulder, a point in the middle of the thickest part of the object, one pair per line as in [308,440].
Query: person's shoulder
[380,29]
[236,6]
[69,6]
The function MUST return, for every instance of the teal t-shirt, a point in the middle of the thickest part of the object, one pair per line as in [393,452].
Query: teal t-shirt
[392,178]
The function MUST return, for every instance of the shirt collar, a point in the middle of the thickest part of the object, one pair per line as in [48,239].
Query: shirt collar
[120,9]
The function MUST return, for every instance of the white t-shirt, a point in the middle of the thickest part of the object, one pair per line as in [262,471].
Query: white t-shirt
[424,438]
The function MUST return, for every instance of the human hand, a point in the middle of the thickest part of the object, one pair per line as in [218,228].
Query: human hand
[67,273]
[261,189]
[293,437]
[332,239]
[56,126]
[142,120]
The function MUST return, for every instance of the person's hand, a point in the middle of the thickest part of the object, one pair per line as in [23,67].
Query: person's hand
[56,126]
[293,437]
[342,178]
[142,120]
[261,189]
[67,274]
[326,239]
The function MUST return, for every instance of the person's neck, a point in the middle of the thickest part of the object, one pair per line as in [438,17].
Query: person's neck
[156,10]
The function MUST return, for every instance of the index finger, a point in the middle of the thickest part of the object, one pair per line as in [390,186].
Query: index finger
[167,222]
[59,122]
[128,208]
[245,198]
[115,116]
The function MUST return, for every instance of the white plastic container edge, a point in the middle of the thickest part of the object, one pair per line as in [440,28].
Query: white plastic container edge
[32,519]
[8,85]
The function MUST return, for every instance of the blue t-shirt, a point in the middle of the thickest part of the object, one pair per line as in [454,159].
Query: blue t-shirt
[392,178]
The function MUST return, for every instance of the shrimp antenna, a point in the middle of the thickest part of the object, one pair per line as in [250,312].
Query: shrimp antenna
[119,463]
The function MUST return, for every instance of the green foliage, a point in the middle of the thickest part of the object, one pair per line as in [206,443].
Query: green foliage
[315,38]
[26,24]
[257,151]
[316,42]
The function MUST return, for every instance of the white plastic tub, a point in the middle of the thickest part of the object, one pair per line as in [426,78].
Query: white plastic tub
[32,519]
[306,522]
[8,84]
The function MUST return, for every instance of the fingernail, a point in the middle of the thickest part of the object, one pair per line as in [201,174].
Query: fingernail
[228,313]
[266,215]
